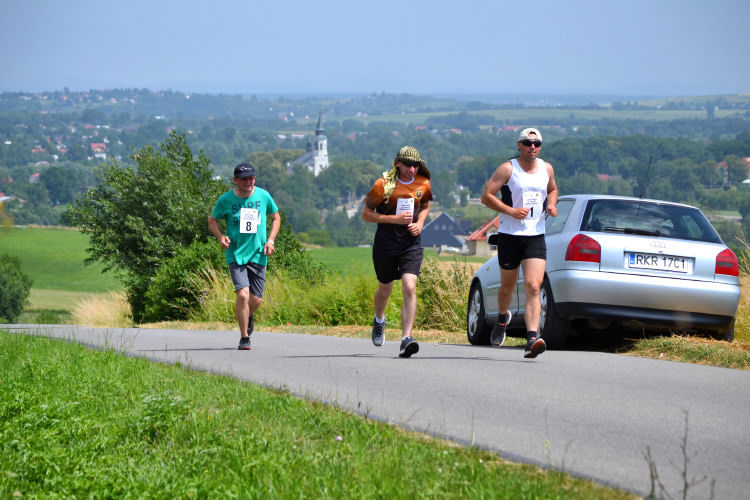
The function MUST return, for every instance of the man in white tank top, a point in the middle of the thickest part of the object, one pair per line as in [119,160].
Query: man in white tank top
[528,189]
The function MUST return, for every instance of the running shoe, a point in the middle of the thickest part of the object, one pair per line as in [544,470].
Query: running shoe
[250,325]
[378,333]
[497,338]
[244,344]
[534,347]
[408,347]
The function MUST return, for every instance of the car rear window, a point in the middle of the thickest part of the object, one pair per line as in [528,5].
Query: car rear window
[649,218]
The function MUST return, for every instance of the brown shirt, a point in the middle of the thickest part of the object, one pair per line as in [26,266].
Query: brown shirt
[395,239]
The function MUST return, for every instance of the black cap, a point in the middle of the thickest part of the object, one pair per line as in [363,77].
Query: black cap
[244,170]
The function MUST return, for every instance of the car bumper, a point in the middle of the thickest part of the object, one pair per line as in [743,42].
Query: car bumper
[652,300]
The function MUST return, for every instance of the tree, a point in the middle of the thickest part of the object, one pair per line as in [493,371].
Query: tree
[63,183]
[14,288]
[137,217]
[736,170]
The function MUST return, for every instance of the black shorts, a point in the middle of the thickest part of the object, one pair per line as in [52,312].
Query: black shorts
[512,249]
[391,267]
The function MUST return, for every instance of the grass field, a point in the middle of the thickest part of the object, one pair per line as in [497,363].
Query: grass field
[54,259]
[534,115]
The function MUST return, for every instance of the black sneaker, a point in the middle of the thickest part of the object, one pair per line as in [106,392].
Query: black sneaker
[534,347]
[409,346]
[378,333]
[244,344]
[250,325]
[498,331]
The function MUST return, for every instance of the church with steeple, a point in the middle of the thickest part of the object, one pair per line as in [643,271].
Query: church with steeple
[316,152]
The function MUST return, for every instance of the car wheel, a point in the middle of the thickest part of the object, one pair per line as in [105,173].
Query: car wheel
[553,329]
[727,334]
[476,324]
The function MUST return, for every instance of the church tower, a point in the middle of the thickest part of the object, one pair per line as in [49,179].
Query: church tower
[320,147]
[316,152]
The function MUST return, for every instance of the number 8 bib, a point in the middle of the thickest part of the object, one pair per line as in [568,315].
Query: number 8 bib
[248,220]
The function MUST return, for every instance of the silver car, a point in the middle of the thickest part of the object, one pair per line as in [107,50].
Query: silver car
[620,262]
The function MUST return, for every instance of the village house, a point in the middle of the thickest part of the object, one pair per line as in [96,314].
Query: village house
[444,233]
[477,241]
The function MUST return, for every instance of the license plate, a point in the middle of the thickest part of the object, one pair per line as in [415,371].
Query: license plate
[660,262]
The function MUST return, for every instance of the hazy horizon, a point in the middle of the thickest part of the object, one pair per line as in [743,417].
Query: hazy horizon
[580,47]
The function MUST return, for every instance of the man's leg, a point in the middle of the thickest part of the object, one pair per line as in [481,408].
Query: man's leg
[409,307]
[242,309]
[408,345]
[381,301]
[533,274]
[508,278]
[381,298]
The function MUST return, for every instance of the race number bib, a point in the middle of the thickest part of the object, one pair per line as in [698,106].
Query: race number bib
[248,220]
[404,205]
[533,201]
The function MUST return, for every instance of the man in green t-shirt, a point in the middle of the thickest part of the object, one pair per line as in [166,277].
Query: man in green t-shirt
[245,209]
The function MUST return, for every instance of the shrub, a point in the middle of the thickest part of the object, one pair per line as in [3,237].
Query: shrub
[170,296]
[14,288]
[141,215]
[291,257]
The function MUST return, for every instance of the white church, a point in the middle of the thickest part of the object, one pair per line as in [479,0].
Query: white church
[316,153]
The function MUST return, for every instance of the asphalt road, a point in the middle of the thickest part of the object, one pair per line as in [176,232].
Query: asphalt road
[590,414]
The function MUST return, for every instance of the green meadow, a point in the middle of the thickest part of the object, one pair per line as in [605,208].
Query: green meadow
[54,259]
[536,115]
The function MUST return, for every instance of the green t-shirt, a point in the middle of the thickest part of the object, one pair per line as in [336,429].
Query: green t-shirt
[246,225]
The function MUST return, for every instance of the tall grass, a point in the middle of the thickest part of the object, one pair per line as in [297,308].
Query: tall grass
[339,299]
[109,310]
[442,294]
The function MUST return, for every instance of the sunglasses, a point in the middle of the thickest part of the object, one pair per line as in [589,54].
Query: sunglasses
[409,163]
[529,143]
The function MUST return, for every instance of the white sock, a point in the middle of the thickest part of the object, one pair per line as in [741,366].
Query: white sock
[379,321]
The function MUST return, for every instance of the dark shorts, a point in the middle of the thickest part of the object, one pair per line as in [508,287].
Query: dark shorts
[392,267]
[250,275]
[512,249]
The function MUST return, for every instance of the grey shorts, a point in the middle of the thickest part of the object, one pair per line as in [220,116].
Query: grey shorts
[250,275]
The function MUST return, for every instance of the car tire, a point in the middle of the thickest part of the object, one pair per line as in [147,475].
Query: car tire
[552,328]
[477,329]
[727,334]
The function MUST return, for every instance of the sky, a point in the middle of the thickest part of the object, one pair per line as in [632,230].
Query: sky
[623,47]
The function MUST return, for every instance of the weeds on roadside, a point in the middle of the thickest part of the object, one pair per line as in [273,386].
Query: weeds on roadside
[110,310]
[337,299]
[658,490]
[442,295]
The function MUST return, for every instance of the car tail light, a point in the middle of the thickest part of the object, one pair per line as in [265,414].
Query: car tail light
[726,263]
[584,248]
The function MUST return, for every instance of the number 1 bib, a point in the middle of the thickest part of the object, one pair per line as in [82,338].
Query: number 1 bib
[533,201]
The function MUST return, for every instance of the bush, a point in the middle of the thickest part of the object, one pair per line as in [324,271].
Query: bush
[291,257]
[14,288]
[140,215]
[169,296]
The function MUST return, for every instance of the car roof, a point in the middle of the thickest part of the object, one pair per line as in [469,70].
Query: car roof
[616,197]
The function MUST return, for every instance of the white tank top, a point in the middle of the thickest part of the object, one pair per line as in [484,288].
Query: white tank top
[525,190]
